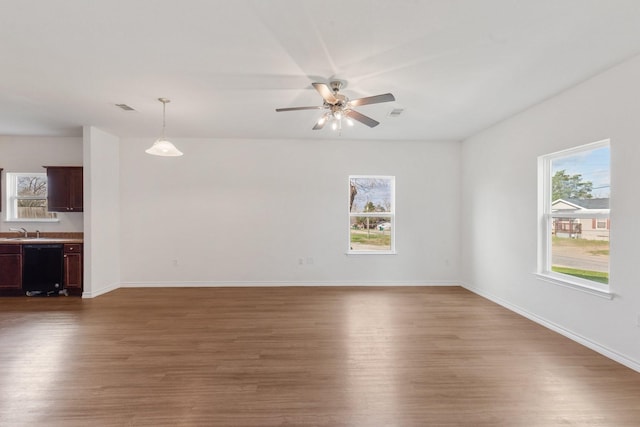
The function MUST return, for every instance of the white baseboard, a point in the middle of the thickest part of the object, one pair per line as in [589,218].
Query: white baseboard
[102,291]
[611,354]
[219,284]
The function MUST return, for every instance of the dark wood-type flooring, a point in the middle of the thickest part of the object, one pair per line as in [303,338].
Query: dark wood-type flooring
[298,356]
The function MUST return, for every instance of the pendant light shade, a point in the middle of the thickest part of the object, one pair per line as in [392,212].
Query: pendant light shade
[162,146]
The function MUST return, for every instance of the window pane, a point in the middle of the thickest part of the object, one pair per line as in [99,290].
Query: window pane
[371,195]
[33,208]
[370,233]
[580,184]
[28,186]
[581,180]
[586,258]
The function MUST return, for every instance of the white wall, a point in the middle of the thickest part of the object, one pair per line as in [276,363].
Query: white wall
[29,154]
[245,211]
[499,246]
[102,208]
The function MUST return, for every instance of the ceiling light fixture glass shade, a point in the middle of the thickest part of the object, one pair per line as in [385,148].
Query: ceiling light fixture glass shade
[162,146]
[337,114]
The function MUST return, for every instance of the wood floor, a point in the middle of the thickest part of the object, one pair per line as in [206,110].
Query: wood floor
[298,356]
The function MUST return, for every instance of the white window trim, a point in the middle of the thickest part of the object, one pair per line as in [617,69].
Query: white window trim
[391,215]
[11,198]
[545,221]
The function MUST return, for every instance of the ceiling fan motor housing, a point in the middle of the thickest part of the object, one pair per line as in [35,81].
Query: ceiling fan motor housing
[336,85]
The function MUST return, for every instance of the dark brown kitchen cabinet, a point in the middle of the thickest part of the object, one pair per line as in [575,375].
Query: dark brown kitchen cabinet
[11,268]
[73,268]
[64,187]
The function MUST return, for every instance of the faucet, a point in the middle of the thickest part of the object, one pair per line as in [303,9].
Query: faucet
[21,230]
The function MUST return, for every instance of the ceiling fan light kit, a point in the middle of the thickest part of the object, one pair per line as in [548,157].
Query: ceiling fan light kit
[162,146]
[340,107]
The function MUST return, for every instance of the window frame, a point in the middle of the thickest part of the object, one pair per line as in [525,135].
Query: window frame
[11,198]
[391,215]
[546,220]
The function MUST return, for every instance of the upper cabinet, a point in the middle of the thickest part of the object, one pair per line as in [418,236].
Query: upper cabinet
[64,188]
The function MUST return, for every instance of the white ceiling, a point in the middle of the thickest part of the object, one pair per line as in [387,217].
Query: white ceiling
[454,66]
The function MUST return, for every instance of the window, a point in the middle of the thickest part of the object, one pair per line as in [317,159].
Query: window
[601,224]
[27,197]
[372,214]
[574,231]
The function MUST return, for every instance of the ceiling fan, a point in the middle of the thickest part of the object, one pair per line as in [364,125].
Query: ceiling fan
[339,107]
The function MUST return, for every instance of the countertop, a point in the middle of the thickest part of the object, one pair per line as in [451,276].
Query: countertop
[35,241]
[13,238]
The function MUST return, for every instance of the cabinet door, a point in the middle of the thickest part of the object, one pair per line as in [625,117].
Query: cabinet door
[72,271]
[64,186]
[11,272]
[57,189]
[0,189]
[75,189]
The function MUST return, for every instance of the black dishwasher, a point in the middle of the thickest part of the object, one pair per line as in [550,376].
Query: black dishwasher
[42,269]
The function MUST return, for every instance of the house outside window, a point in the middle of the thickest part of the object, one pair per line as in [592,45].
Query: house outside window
[371,214]
[575,216]
[27,198]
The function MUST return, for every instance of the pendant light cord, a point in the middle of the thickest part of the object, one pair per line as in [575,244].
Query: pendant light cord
[164,114]
[164,106]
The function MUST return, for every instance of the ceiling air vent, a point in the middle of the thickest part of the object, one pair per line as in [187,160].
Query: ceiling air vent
[125,107]
[396,112]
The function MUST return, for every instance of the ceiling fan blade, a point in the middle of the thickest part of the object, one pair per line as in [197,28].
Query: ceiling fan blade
[298,108]
[325,92]
[321,122]
[387,97]
[362,118]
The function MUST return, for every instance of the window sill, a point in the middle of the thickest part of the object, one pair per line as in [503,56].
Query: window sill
[32,220]
[561,281]
[371,253]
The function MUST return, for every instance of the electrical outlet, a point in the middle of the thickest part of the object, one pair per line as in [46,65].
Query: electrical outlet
[309,261]
[300,261]
[175,262]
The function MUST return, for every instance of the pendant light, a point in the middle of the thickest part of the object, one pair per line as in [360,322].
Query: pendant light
[162,147]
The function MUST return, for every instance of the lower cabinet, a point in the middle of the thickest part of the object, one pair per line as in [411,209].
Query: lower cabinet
[11,269]
[73,268]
